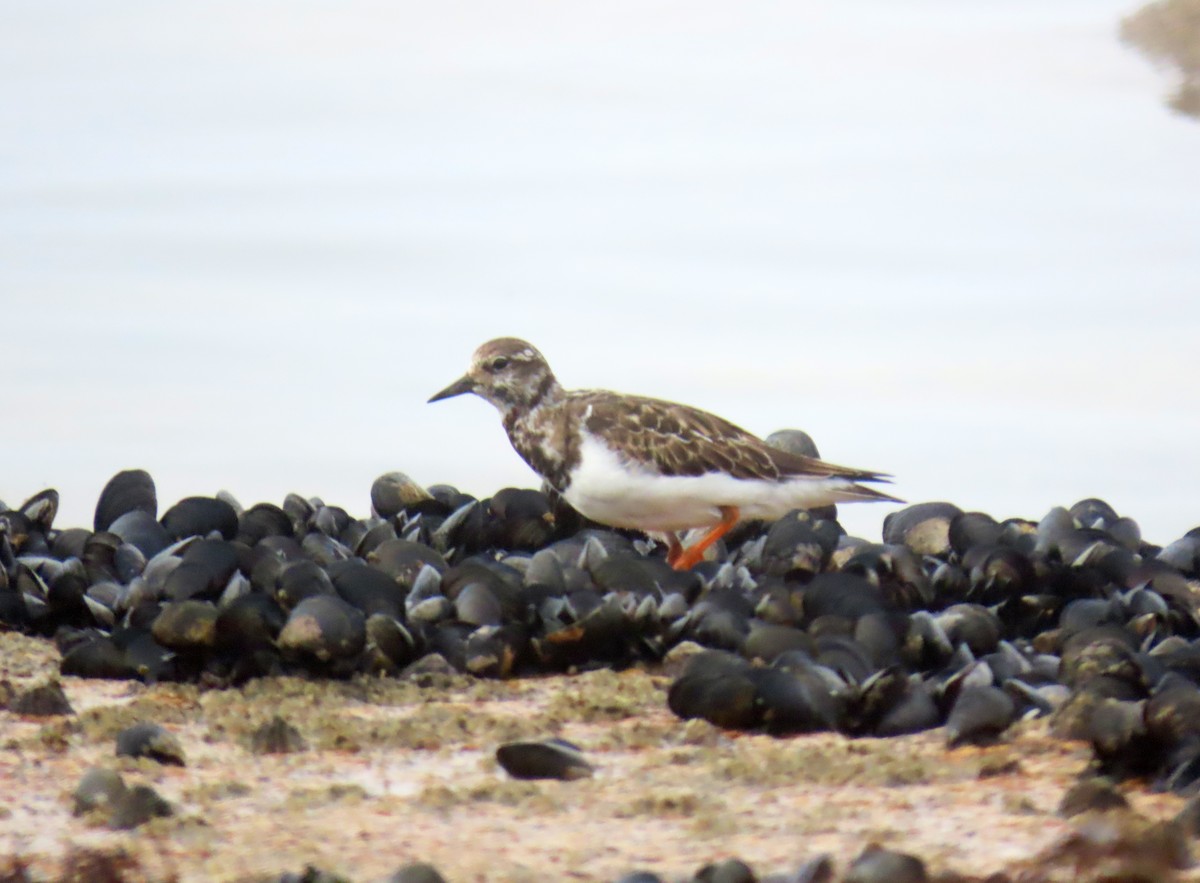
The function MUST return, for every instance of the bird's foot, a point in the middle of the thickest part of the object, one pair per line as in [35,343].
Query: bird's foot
[691,556]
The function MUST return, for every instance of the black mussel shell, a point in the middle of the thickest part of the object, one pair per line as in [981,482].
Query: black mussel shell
[719,688]
[42,700]
[367,588]
[1101,651]
[519,518]
[1093,794]
[549,759]
[416,872]
[277,736]
[402,560]
[186,626]
[879,865]
[204,570]
[138,805]
[199,517]
[973,625]
[393,492]
[476,604]
[389,637]
[494,651]
[794,441]
[99,789]
[264,520]
[923,527]
[731,870]
[150,740]
[302,579]
[1093,513]
[841,594]
[97,658]
[971,529]
[767,642]
[324,628]
[249,623]
[125,492]
[793,702]
[40,510]
[980,714]
[798,543]
[299,511]
[141,530]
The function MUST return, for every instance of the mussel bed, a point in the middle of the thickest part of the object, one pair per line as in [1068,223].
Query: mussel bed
[953,619]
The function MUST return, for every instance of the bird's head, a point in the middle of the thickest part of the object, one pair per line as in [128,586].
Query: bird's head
[508,373]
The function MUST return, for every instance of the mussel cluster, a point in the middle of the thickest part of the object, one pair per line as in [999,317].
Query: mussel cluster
[959,621]
[954,620]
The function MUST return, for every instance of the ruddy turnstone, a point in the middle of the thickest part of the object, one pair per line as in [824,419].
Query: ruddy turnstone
[641,463]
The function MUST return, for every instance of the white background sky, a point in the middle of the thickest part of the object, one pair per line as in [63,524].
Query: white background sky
[241,243]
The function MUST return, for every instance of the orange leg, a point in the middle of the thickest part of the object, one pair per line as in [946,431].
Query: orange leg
[690,557]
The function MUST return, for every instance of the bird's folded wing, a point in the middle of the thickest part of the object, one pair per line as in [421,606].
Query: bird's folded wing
[676,440]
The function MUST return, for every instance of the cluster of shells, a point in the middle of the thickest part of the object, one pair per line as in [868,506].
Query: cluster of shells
[954,620]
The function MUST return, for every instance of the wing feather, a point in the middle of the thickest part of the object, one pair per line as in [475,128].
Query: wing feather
[677,440]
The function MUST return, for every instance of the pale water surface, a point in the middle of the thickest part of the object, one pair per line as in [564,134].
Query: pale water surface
[242,242]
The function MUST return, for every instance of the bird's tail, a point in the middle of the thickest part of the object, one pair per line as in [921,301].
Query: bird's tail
[857,493]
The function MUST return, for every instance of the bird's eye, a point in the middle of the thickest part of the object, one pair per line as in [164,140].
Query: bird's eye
[499,363]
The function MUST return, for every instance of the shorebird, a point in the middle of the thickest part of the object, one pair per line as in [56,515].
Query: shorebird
[647,464]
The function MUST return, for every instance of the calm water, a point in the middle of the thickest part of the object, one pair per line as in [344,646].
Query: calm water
[241,243]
